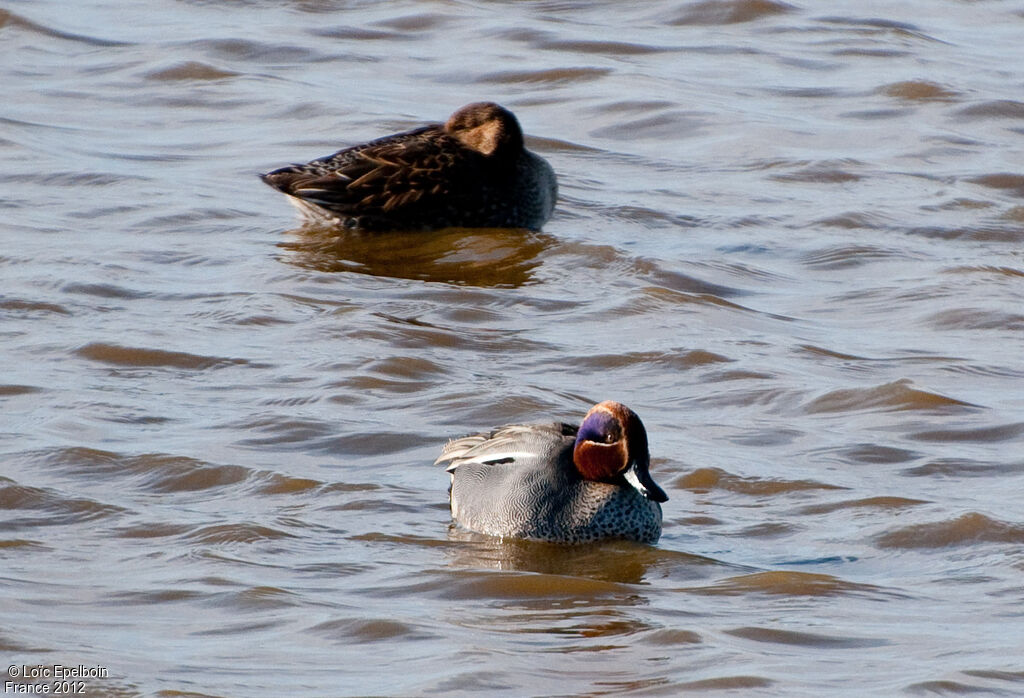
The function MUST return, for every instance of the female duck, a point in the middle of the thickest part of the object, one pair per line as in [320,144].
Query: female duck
[471,172]
[554,482]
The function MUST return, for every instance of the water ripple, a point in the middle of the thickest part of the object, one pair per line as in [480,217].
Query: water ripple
[895,396]
[704,479]
[713,12]
[47,507]
[788,583]
[803,639]
[116,355]
[8,18]
[967,529]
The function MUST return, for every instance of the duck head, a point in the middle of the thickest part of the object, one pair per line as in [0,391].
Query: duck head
[486,128]
[611,444]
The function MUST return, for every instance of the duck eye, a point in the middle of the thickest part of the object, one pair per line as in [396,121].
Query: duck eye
[600,428]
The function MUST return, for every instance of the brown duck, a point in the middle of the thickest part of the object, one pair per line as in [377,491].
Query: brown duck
[472,171]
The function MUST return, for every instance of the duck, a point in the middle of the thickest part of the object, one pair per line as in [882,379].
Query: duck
[473,171]
[557,482]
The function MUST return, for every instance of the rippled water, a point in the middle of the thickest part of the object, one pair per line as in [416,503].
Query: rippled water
[789,236]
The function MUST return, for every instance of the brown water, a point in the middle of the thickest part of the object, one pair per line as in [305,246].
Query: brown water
[789,236]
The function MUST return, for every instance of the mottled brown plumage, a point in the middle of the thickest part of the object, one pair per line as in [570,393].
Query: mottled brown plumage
[472,171]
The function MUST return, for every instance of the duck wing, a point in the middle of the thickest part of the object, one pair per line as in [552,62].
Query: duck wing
[506,445]
[410,171]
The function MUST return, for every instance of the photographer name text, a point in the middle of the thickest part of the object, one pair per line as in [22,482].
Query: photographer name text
[55,679]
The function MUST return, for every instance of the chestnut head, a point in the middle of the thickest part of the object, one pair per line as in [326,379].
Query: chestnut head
[611,445]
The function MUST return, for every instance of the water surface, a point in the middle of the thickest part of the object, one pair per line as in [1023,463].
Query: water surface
[789,236]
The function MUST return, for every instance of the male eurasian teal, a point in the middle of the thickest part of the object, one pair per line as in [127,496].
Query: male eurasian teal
[556,482]
[471,172]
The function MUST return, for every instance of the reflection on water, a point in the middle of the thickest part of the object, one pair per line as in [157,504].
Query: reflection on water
[621,562]
[789,236]
[471,257]
[787,583]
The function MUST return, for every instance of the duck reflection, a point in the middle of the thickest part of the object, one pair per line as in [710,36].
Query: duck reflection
[616,562]
[486,257]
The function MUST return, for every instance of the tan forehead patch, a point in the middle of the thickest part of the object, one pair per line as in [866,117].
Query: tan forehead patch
[484,138]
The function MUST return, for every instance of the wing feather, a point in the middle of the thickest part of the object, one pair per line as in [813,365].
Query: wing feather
[503,445]
[411,174]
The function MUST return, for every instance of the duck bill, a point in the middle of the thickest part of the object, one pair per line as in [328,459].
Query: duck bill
[639,477]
